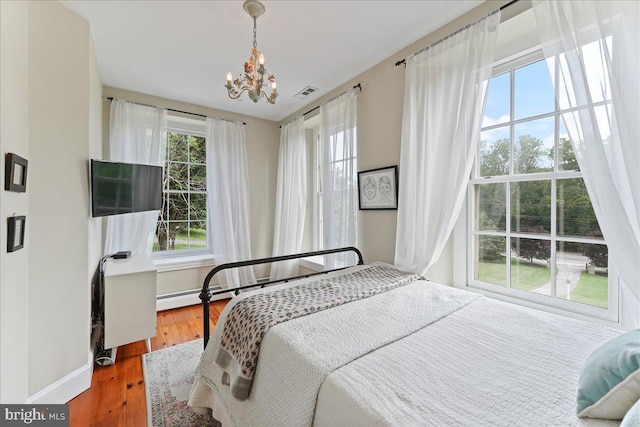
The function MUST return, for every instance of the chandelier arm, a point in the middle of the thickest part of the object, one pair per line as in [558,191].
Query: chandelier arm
[271,99]
[234,94]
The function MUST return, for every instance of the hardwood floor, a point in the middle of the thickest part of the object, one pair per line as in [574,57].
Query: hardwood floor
[116,396]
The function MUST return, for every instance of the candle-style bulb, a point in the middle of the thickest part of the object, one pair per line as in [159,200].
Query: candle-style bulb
[229,77]
[261,59]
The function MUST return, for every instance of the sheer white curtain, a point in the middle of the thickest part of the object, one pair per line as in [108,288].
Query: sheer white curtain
[228,198]
[599,48]
[291,197]
[339,177]
[138,134]
[444,96]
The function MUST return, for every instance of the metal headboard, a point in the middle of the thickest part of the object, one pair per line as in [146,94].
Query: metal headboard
[206,294]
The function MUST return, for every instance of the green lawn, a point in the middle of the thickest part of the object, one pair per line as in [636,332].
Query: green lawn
[524,275]
[196,234]
[493,272]
[198,240]
[592,289]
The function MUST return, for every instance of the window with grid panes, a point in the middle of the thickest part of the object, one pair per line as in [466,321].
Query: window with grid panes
[182,222]
[533,232]
[338,163]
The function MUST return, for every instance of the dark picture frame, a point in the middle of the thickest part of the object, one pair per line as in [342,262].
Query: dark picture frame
[15,173]
[378,189]
[15,232]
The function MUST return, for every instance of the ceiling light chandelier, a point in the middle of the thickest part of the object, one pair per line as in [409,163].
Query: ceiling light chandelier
[254,71]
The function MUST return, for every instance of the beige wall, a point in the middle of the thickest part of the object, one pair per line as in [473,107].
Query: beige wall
[50,85]
[95,152]
[262,139]
[183,279]
[59,141]
[14,138]
[379,130]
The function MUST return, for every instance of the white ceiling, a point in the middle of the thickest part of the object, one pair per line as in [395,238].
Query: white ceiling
[182,50]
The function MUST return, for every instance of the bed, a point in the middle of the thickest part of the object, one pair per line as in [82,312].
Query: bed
[416,354]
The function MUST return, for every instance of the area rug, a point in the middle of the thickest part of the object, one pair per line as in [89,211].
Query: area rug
[168,376]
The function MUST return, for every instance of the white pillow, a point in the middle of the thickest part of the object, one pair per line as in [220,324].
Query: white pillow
[632,419]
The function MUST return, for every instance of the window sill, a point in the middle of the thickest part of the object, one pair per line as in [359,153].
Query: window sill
[184,262]
[315,263]
[606,319]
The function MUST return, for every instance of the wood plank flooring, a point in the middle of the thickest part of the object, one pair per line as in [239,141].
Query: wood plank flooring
[116,396]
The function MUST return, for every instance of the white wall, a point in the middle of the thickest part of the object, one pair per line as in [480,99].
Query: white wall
[14,138]
[262,141]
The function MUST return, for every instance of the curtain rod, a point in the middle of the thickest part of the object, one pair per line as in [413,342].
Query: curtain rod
[110,98]
[359,86]
[404,61]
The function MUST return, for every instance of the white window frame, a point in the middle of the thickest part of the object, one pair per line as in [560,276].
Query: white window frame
[318,241]
[318,163]
[546,302]
[186,258]
[317,181]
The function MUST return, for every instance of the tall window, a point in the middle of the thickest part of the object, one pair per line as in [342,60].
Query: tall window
[340,161]
[341,164]
[182,223]
[533,231]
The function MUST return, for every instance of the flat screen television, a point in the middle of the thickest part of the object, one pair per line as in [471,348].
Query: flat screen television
[120,188]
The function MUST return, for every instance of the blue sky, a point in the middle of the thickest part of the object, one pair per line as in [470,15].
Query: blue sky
[533,96]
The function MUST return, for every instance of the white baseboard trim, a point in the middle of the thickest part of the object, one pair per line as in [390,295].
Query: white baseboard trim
[167,303]
[65,388]
[79,380]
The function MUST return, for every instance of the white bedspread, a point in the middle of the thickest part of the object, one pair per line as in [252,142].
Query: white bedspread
[488,364]
[296,356]
[422,354]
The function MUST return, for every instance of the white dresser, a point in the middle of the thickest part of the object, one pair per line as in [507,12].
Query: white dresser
[129,301]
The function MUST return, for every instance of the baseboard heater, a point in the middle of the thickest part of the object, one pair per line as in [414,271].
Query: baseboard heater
[197,291]
[190,297]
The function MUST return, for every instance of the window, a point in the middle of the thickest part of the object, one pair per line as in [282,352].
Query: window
[341,161]
[533,232]
[182,222]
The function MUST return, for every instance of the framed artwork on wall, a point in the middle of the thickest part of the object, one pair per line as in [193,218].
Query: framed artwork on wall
[378,188]
[15,233]
[15,173]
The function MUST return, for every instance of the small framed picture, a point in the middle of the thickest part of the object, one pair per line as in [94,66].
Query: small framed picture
[378,188]
[15,233]
[15,173]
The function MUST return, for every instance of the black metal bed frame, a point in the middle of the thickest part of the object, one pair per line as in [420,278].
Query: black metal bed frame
[206,294]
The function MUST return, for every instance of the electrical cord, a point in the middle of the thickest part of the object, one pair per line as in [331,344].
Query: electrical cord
[103,357]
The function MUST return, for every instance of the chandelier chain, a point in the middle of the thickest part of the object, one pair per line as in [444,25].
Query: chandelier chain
[255,43]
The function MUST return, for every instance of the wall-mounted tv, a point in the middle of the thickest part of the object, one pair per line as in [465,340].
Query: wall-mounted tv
[120,188]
